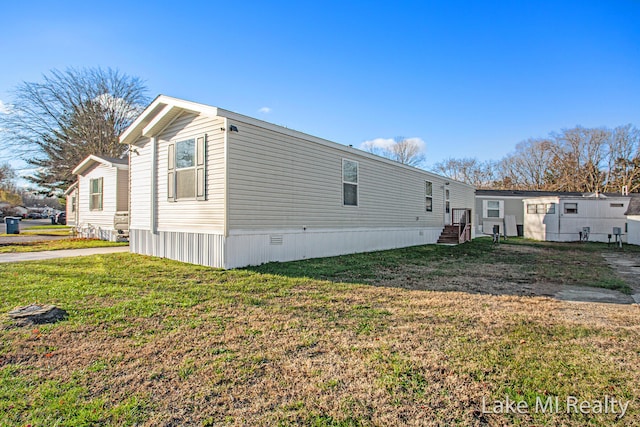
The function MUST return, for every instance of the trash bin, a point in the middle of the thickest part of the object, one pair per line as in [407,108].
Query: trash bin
[13,224]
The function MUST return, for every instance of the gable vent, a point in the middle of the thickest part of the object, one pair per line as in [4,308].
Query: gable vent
[276,239]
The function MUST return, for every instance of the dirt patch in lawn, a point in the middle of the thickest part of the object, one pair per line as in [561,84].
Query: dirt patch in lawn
[493,277]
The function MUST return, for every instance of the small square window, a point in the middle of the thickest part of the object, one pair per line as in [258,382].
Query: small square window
[531,209]
[551,208]
[571,208]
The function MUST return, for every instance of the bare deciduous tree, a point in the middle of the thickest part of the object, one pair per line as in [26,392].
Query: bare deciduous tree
[56,123]
[469,170]
[576,159]
[408,151]
[624,159]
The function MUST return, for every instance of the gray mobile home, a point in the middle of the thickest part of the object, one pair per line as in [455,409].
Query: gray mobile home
[217,188]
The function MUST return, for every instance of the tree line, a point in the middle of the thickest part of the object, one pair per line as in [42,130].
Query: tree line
[577,159]
[56,123]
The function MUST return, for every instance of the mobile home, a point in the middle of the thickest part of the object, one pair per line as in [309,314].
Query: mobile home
[217,188]
[98,204]
[593,217]
[633,219]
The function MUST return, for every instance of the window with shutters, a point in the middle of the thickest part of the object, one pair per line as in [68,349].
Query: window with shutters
[95,194]
[186,169]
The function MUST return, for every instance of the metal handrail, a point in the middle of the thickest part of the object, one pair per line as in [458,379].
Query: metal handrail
[462,218]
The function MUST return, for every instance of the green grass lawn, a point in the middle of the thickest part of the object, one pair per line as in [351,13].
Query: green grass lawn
[53,245]
[150,341]
[559,263]
[48,227]
[42,230]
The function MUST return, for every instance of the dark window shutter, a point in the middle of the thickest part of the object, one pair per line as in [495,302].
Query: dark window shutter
[201,166]
[171,173]
[101,193]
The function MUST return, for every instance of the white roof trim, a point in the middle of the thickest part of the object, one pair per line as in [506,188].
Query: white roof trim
[86,163]
[71,188]
[158,121]
[150,120]
[148,124]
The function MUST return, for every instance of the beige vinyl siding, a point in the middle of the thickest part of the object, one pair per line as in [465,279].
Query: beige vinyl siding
[102,219]
[281,181]
[140,171]
[204,216]
[123,190]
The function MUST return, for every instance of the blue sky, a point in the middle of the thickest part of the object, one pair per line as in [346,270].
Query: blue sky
[470,78]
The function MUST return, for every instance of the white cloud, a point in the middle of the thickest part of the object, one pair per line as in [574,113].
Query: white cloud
[4,108]
[377,144]
[384,144]
[108,101]
[418,142]
[264,110]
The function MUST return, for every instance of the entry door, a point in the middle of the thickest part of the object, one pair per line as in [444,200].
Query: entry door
[447,207]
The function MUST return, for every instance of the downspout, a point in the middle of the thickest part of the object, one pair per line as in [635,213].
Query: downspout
[560,213]
[225,144]
[129,194]
[225,210]
[154,185]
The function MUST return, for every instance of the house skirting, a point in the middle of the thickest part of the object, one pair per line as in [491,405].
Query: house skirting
[244,248]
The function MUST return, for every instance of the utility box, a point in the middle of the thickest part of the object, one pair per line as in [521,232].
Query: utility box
[13,224]
[617,231]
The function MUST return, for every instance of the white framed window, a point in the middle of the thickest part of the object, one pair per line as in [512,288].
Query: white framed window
[540,208]
[428,193]
[186,169]
[531,208]
[73,203]
[349,182]
[493,208]
[95,194]
[571,208]
[551,208]
[186,177]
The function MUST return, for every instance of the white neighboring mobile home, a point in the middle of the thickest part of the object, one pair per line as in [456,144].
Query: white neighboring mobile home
[633,220]
[564,218]
[217,188]
[101,198]
[494,206]
[72,204]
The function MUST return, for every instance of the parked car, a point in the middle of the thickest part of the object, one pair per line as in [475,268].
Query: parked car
[61,218]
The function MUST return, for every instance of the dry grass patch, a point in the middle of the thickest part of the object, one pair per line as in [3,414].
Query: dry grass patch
[156,342]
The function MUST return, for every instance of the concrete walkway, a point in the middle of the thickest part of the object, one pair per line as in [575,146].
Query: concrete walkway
[64,253]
